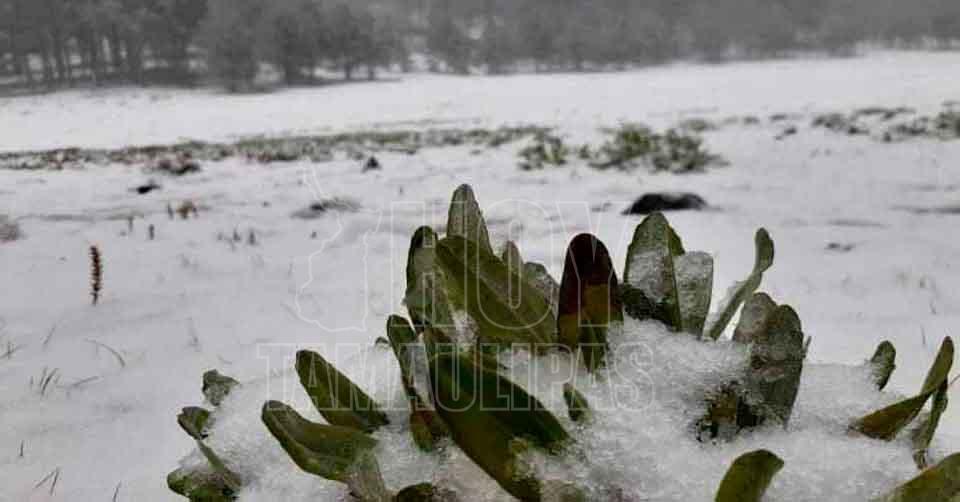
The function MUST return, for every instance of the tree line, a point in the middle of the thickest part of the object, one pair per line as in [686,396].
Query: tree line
[48,44]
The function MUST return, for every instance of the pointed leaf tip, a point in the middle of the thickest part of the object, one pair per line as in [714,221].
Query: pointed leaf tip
[940,483]
[754,318]
[328,451]
[749,477]
[741,291]
[589,299]
[336,397]
[883,363]
[765,250]
[888,422]
[577,406]
[465,219]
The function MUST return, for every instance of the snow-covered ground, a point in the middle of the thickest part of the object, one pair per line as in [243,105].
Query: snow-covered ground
[193,300]
[577,102]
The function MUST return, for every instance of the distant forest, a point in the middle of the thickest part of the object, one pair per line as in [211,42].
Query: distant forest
[53,44]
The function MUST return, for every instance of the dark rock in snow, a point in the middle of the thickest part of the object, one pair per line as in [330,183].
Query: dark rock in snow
[372,165]
[666,201]
[320,208]
[839,247]
[146,188]
[786,132]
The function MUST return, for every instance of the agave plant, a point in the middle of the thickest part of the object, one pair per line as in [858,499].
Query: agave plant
[468,304]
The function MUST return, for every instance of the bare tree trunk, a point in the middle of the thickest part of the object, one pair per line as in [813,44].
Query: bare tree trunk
[134,50]
[48,78]
[21,58]
[96,58]
[55,12]
[116,50]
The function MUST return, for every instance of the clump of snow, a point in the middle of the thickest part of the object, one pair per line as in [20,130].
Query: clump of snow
[648,271]
[465,328]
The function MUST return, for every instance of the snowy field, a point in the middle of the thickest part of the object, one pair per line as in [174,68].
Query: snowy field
[193,300]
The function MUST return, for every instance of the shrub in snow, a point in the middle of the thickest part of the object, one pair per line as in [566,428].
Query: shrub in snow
[178,165]
[322,207]
[9,230]
[511,385]
[545,150]
[633,144]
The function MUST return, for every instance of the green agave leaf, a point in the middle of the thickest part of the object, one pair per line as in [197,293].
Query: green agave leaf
[212,483]
[883,363]
[538,277]
[694,289]
[420,261]
[492,420]
[649,277]
[940,483]
[429,304]
[465,219]
[193,421]
[216,387]
[231,480]
[742,290]
[435,341]
[577,406]
[425,425]
[402,339]
[776,362]
[514,262]
[589,299]
[887,423]
[200,485]
[420,257]
[478,282]
[755,318]
[336,453]
[336,397]
[511,257]
[923,435]
[749,476]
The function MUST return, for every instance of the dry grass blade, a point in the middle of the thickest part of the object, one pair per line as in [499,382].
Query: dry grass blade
[120,360]
[46,378]
[96,274]
[46,341]
[55,475]
[11,350]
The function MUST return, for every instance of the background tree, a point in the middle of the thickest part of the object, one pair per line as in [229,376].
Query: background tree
[48,44]
[230,36]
